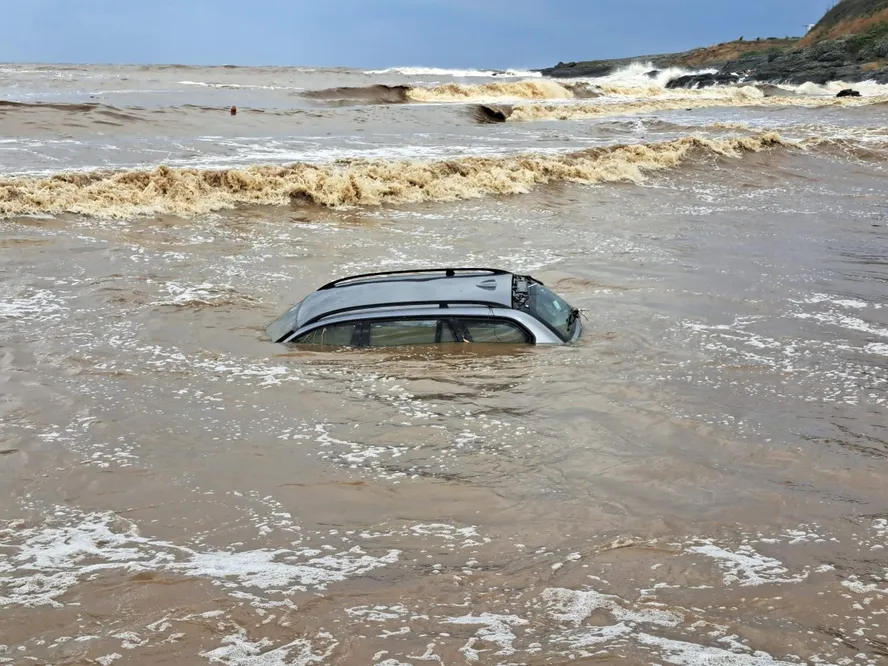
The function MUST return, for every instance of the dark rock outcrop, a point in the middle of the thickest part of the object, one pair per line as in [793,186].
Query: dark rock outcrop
[596,68]
[581,69]
[846,59]
[848,92]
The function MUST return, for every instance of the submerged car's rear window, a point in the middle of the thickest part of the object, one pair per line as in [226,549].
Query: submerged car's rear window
[334,334]
[551,309]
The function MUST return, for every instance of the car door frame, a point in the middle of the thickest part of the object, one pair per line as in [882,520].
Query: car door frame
[463,334]
[361,333]
[454,321]
[363,326]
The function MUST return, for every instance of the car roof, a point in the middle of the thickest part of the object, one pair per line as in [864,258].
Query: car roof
[444,286]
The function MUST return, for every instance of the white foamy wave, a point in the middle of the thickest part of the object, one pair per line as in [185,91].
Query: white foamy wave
[844,302]
[684,653]
[458,73]
[636,75]
[192,192]
[746,567]
[575,606]
[845,322]
[39,306]
[831,89]
[673,614]
[43,562]
[205,294]
[645,76]
[238,650]
[235,86]
[494,628]
[205,84]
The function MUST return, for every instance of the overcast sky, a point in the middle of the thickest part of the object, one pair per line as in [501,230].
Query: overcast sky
[381,33]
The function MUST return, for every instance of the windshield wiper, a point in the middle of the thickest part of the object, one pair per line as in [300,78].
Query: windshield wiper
[573,316]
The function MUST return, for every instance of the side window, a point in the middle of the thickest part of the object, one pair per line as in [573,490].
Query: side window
[493,330]
[336,334]
[408,332]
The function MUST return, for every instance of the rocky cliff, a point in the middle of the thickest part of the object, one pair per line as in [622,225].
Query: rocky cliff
[850,43]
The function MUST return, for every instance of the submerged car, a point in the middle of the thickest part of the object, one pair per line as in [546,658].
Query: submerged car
[429,306]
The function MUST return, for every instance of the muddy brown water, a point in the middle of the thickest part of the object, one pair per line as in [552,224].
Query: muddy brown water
[699,480]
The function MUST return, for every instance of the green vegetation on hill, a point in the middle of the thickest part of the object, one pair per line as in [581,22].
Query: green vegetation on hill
[873,41]
[849,10]
[851,18]
[859,28]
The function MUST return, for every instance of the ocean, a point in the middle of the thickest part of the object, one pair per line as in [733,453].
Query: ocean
[699,480]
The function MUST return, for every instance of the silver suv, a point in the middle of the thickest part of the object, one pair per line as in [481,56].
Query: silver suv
[429,306]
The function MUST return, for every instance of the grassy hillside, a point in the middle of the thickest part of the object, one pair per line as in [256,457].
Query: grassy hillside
[708,56]
[849,17]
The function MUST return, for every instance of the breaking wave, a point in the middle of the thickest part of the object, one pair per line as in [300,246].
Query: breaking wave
[644,75]
[376,94]
[727,91]
[850,149]
[866,88]
[771,90]
[650,94]
[188,192]
[450,92]
[235,86]
[455,92]
[489,113]
[645,79]
[747,96]
[649,90]
[458,73]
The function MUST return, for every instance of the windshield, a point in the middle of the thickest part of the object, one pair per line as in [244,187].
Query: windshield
[552,309]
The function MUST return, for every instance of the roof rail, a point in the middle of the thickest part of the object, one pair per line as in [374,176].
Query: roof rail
[443,304]
[448,272]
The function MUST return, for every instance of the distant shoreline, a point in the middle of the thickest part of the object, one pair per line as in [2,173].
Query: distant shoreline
[789,60]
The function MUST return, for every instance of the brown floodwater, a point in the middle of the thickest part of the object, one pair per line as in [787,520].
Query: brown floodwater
[699,480]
